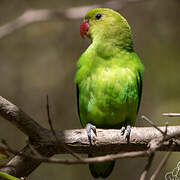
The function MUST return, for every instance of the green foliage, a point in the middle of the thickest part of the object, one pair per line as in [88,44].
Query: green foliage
[7,176]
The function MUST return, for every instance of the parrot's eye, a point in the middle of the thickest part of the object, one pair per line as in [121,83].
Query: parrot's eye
[98,16]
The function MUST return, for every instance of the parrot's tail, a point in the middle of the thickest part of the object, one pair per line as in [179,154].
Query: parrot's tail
[102,169]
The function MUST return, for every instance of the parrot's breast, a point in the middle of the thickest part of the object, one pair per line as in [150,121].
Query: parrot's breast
[109,97]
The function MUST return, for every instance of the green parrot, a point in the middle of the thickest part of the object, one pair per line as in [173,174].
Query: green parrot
[108,78]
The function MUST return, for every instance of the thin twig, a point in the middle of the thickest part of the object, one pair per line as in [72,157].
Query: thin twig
[96,159]
[166,129]
[171,114]
[153,124]
[165,132]
[49,119]
[77,161]
[154,145]
[35,152]
[54,133]
[161,165]
[41,15]
[147,167]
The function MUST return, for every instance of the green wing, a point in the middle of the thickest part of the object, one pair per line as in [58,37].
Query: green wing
[77,95]
[139,85]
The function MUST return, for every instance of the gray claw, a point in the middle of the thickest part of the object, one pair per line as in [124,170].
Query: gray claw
[122,130]
[90,127]
[128,132]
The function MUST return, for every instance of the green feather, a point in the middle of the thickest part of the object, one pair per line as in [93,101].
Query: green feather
[7,176]
[101,169]
[109,77]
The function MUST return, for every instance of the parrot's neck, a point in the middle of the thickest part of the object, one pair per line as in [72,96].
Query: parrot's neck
[120,42]
[108,49]
[114,37]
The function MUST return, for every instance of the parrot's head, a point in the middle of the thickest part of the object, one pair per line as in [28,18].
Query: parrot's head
[106,24]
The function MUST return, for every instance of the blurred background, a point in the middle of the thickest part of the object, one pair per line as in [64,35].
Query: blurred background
[40,59]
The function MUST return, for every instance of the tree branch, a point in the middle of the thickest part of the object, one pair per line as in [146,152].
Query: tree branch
[147,167]
[18,118]
[107,141]
[22,166]
[171,114]
[34,16]
[161,165]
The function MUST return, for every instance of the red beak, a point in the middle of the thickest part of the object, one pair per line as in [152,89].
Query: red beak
[84,28]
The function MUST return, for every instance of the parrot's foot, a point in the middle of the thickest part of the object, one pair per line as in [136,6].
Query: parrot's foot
[90,127]
[128,131]
[123,130]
